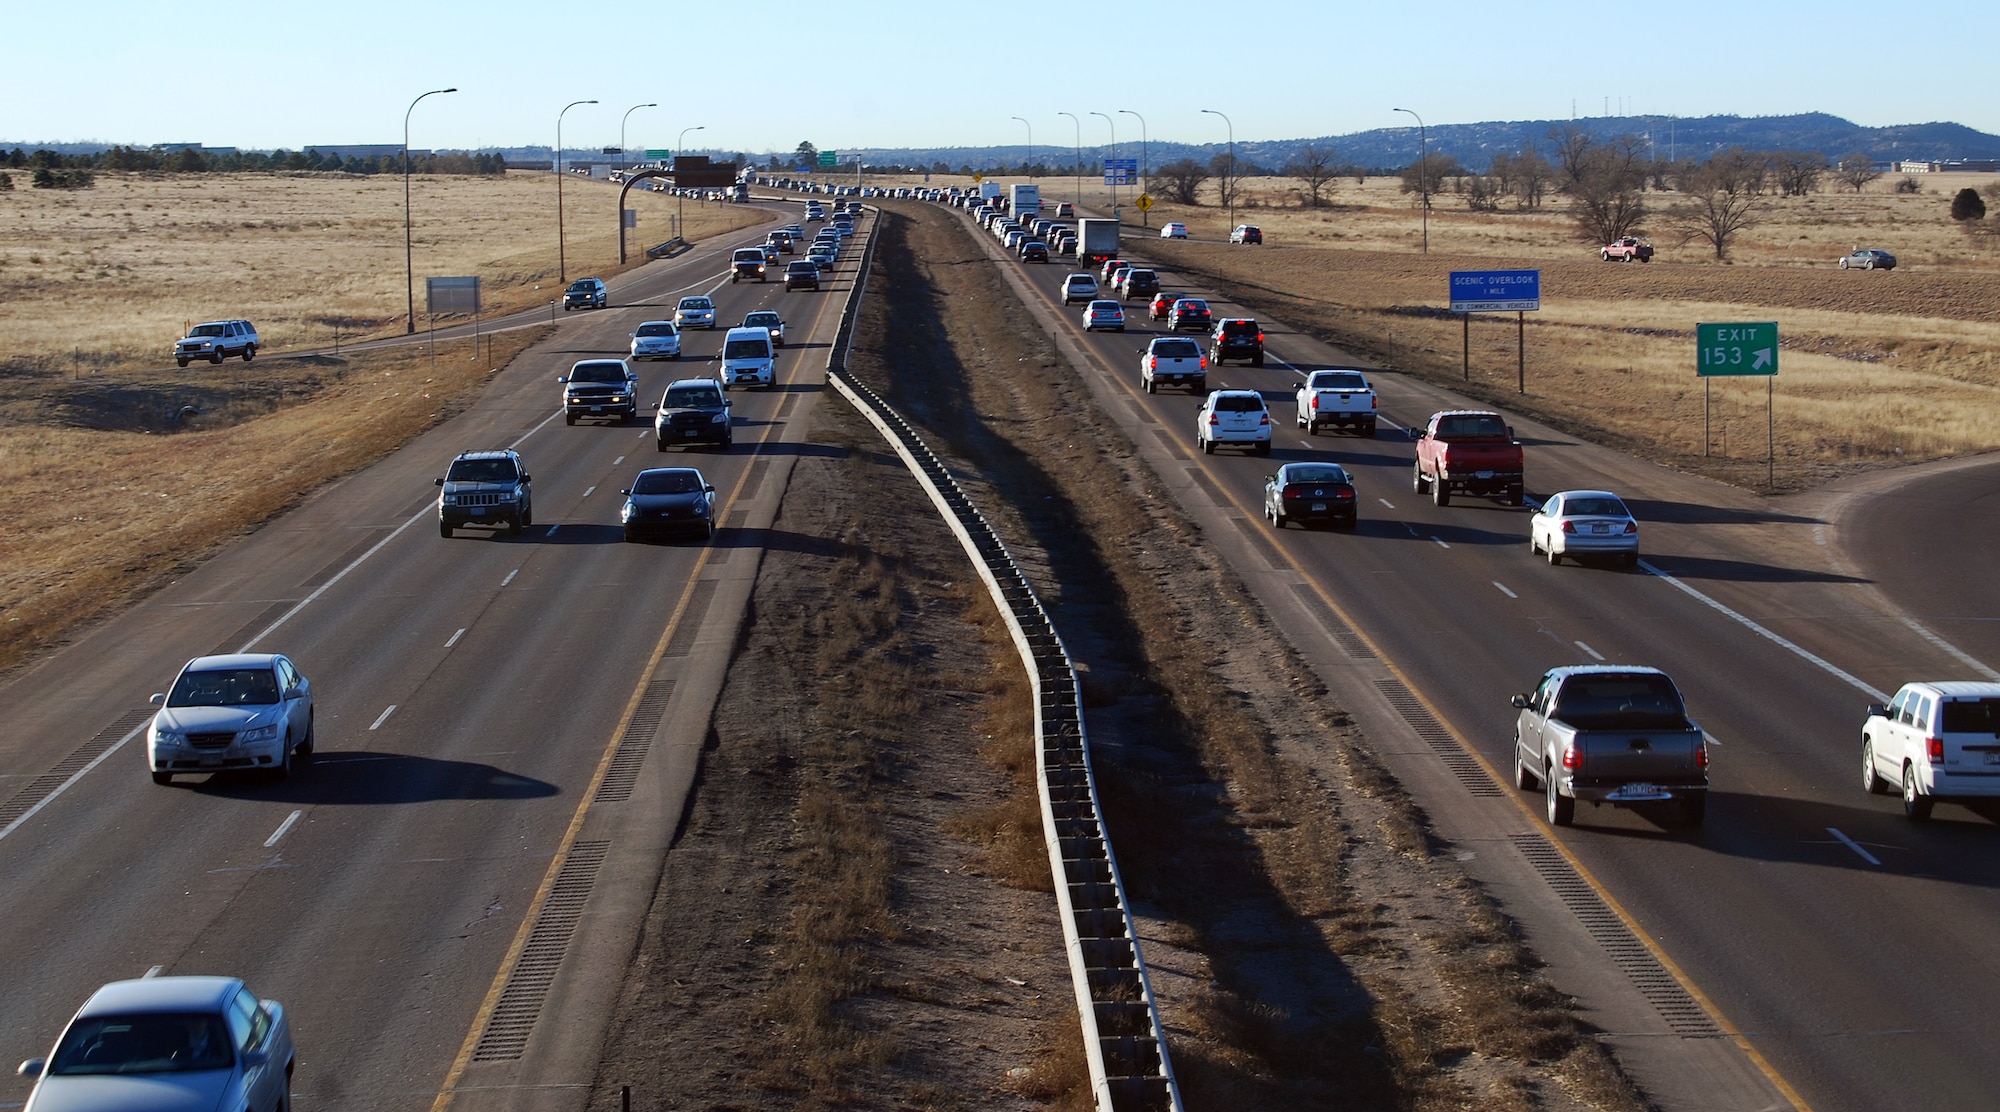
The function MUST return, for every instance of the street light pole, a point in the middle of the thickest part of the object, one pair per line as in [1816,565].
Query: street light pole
[1233,175]
[1114,155]
[1031,145]
[680,192]
[621,134]
[1079,158]
[409,262]
[1145,163]
[562,260]
[1423,176]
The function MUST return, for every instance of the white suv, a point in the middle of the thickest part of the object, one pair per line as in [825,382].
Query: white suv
[1235,417]
[1079,287]
[1934,741]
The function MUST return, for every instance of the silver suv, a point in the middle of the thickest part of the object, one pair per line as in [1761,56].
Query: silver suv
[485,488]
[216,340]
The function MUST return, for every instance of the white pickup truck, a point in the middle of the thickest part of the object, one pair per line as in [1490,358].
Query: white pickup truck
[1340,396]
[1173,361]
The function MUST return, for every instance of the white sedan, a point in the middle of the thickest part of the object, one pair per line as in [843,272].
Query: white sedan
[1580,523]
[1175,230]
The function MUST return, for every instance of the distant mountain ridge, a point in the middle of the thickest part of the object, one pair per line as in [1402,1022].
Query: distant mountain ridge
[1387,148]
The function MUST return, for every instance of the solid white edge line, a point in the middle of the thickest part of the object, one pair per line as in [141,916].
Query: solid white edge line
[1803,653]
[391,709]
[1853,845]
[1952,650]
[282,827]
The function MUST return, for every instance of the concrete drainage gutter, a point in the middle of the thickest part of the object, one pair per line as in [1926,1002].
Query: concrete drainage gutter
[1124,1046]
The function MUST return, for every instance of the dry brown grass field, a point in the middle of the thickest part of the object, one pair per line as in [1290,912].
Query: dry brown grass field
[1876,368]
[107,278]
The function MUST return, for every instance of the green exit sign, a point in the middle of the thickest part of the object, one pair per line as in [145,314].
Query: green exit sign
[1736,349]
[829,158]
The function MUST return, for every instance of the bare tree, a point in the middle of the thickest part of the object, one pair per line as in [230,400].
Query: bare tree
[1528,177]
[1723,197]
[1605,182]
[1856,170]
[1798,172]
[1183,180]
[1228,177]
[1482,192]
[1315,169]
[1428,175]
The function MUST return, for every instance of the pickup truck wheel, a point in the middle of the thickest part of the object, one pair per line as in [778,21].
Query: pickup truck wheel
[1916,804]
[1694,808]
[1524,778]
[1561,808]
[1417,481]
[1870,778]
[569,418]
[1439,493]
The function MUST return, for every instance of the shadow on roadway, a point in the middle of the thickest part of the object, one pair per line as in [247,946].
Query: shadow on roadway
[1741,571]
[1693,513]
[361,778]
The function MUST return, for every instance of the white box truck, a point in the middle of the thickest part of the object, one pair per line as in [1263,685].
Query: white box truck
[1096,240]
[1025,201]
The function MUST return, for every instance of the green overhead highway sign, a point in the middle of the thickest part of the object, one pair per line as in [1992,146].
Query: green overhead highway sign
[658,156]
[1736,349]
[829,158]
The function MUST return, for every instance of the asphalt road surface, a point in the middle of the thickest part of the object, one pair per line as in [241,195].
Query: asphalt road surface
[1839,948]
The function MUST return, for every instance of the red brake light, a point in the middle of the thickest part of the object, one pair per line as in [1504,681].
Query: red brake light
[1213,419]
[1152,362]
[1204,362]
[1572,756]
[1934,749]
[1260,337]
[1264,418]
[1701,754]
[1569,526]
[1631,527]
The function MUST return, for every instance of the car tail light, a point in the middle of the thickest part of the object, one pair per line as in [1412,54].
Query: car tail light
[1214,419]
[1374,403]
[1344,494]
[1204,362]
[1934,749]
[1264,418]
[1631,527]
[1701,755]
[1152,362]
[1260,337]
[1572,756]
[1569,526]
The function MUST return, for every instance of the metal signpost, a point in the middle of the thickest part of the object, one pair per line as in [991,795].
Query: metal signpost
[1497,291]
[452,295]
[1741,351]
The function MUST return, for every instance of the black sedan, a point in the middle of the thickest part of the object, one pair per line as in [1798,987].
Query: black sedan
[1309,493]
[668,500]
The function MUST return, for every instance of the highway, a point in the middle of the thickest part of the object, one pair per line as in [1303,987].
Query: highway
[1839,947]
[507,728]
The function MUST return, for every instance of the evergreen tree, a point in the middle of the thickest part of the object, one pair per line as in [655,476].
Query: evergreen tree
[1968,205]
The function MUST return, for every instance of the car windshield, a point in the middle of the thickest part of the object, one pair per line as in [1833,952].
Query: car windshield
[1621,701]
[746,349]
[124,1044]
[693,397]
[697,303]
[230,687]
[762,320]
[597,372]
[1327,474]
[481,471]
[667,482]
[206,330]
[658,329]
[1594,506]
[584,285]
[1478,426]
[1239,403]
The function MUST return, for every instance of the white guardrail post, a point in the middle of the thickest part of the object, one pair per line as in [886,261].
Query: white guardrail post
[1123,1043]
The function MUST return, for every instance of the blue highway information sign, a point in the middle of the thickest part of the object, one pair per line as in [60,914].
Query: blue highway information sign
[1496,291]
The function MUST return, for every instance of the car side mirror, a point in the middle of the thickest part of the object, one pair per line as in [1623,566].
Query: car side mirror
[1877,710]
[158,698]
[624,492]
[437,482]
[1521,702]
[1415,433]
[293,692]
[32,1067]
[1510,432]
[726,403]
[708,490]
[562,378]
[524,477]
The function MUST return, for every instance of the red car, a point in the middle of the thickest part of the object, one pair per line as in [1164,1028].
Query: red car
[1162,304]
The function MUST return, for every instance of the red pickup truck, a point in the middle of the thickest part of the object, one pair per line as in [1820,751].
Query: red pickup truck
[1469,451]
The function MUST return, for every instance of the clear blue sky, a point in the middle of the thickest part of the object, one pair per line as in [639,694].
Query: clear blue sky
[859,74]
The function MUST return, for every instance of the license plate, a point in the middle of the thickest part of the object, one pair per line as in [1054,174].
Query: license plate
[211,762]
[597,409]
[478,511]
[1482,474]
[1639,789]
[1993,758]
[691,432]
[1600,528]
[1319,507]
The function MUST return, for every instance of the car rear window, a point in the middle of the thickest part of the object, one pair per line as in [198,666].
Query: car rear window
[1472,427]
[1340,382]
[1239,403]
[1316,475]
[1177,349]
[1972,716]
[1239,328]
[1614,701]
[1594,507]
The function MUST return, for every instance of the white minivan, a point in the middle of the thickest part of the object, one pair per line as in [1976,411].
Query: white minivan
[748,359]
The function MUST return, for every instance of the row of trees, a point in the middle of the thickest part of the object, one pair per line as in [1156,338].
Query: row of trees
[1610,185]
[191,160]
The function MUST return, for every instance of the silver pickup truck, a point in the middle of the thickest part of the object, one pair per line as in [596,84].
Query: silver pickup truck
[1613,734]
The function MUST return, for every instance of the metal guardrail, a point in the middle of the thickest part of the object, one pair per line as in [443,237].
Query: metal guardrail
[1124,1047]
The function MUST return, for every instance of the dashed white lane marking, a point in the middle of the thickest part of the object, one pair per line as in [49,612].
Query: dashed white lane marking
[510,577]
[384,717]
[454,638]
[619,460]
[1503,589]
[1853,845]
[1439,541]
[589,490]
[1386,502]
[282,827]
[1594,654]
